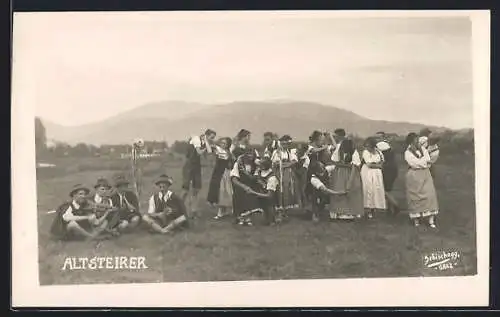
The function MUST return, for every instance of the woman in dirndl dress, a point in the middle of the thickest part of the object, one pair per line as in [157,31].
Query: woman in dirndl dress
[372,178]
[244,185]
[346,177]
[284,160]
[420,190]
[220,192]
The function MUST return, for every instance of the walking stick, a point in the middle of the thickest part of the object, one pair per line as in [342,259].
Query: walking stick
[136,147]
[281,175]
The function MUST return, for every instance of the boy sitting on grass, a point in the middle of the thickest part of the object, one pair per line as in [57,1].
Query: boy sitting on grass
[76,219]
[166,211]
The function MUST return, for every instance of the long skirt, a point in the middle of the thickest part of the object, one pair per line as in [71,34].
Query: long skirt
[220,190]
[244,203]
[348,206]
[421,194]
[225,190]
[373,188]
[289,198]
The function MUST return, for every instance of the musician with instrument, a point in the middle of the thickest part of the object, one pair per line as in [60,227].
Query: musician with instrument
[166,211]
[100,201]
[127,203]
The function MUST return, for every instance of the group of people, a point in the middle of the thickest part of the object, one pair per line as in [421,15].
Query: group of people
[111,210]
[328,178]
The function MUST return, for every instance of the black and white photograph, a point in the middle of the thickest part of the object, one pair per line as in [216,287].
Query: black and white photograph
[323,155]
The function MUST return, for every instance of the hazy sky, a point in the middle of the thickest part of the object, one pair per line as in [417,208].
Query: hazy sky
[88,66]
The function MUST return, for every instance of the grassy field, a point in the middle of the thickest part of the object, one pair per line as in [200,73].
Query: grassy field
[220,251]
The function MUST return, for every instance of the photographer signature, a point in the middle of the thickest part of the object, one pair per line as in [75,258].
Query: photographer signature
[442,260]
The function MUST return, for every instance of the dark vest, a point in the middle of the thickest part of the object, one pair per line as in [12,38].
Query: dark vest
[131,198]
[173,202]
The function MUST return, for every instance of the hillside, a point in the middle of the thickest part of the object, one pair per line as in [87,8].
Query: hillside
[165,110]
[162,121]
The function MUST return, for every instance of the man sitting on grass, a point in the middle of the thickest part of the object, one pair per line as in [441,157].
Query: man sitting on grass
[76,219]
[166,210]
[128,215]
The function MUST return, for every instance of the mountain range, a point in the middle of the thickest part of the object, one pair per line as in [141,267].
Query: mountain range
[177,120]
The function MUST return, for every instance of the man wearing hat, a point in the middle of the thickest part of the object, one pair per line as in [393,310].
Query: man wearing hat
[166,210]
[102,196]
[128,215]
[76,219]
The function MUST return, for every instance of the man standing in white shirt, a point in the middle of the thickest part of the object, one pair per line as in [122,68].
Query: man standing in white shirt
[191,172]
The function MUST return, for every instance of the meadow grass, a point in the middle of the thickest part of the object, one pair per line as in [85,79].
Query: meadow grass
[387,246]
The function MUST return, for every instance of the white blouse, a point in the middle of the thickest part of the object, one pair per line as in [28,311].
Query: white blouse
[284,156]
[418,162]
[356,160]
[369,157]
[383,146]
[234,171]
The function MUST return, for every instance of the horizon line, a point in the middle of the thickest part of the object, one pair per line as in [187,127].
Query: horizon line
[274,100]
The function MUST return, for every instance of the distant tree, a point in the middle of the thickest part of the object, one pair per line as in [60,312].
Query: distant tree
[81,150]
[40,137]
[61,149]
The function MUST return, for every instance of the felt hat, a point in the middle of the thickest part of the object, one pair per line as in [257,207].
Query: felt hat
[286,138]
[77,188]
[164,179]
[102,182]
[242,133]
[121,180]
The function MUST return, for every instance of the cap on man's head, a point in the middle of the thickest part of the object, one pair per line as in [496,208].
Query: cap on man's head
[78,187]
[243,133]
[286,138]
[120,180]
[102,182]
[164,179]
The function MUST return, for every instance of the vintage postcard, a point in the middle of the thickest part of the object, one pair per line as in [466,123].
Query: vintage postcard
[251,159]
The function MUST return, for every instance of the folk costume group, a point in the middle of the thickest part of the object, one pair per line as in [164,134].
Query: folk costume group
[328,178]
